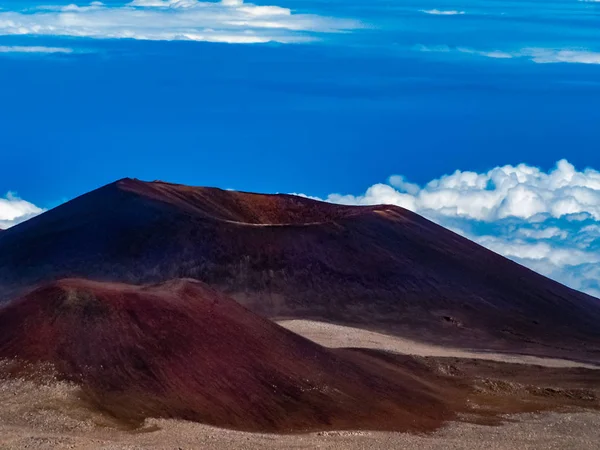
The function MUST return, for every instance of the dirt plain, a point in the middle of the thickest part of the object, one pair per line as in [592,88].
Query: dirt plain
[551,405]
[52,417]
[338,336]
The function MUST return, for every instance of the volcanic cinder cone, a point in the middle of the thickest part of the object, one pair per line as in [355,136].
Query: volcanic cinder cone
[181,349]
[380,267]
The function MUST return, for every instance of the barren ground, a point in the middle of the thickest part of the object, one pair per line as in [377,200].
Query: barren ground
[336,336]
[52,415]
[49,418]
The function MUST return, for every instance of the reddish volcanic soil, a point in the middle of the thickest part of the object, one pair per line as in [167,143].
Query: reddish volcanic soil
[382,267]
[181,349]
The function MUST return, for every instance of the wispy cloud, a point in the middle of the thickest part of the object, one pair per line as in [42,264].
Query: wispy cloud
[33,49]
[231,21]
[544,56]
[548,221]
[438,12]
[537,55]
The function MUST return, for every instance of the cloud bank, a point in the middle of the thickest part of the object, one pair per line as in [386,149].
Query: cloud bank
[14,210]
[547,221]
[231,21]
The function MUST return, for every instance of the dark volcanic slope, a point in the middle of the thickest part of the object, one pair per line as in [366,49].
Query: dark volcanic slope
[285,256]
[181,349]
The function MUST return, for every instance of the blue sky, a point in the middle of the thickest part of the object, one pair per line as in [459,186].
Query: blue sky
[320,98]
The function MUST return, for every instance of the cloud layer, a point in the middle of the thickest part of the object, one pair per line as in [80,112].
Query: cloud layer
[548,221]
[231,21]
[14,210]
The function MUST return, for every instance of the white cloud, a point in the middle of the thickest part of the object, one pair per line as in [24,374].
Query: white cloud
[230,21]
[510,191]
[544,233]
[548,221]
[437,12]
[14,210]
[33,49]
[488,54]
[537,55]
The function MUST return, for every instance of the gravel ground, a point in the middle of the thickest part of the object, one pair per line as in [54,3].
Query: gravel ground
[579,430]
[51,416]
[336,336]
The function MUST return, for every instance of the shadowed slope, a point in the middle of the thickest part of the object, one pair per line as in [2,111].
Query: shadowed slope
[380,267]
[181,349]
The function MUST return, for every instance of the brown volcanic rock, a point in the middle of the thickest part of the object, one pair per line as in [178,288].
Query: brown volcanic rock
[380,267]
[181,349]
